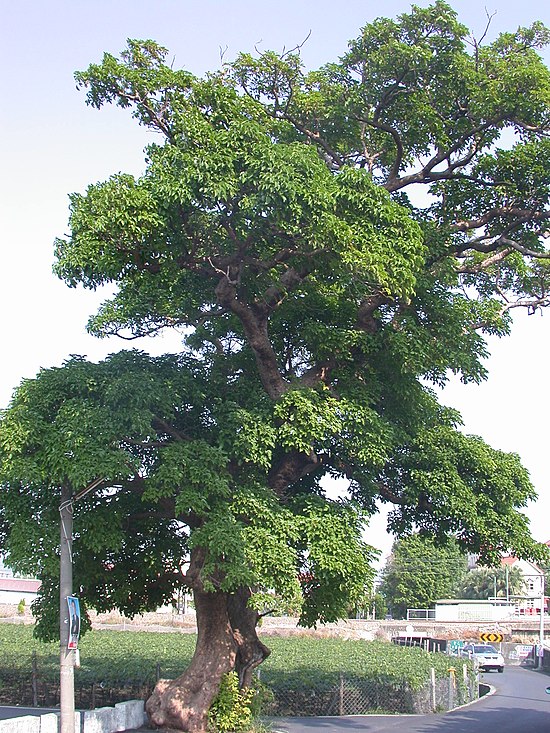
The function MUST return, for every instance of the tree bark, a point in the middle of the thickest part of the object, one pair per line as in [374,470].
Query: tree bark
[250,650]
[226,641]
[183,704]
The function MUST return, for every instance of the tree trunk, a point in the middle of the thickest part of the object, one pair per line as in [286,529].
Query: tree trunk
[183,704]
[226,641]
[250,650]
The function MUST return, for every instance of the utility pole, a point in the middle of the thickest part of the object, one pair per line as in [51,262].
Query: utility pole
[66,655]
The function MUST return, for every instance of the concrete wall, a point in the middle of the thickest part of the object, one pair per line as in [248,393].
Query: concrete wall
[124,716]
[463,610]
[518,630]
[12,597]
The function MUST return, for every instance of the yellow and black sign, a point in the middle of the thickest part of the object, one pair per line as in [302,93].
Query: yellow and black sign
[491,637]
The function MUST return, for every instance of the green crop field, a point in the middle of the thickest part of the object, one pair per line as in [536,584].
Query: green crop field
[310,660]
[111,657]
[305,675]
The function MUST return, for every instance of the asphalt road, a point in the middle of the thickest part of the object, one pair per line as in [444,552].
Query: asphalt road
[519,705]
[15,712]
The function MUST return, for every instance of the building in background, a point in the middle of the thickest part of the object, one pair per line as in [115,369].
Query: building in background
[13,590]
[532,595]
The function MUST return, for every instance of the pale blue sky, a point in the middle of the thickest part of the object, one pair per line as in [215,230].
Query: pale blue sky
[53,144]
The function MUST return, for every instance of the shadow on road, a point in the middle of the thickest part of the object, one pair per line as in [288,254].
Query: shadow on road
[506,720]
[466,721]
[359,723]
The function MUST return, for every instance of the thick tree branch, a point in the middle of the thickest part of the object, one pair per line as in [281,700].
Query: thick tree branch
[525,250]
[366,319]
[255,327]
[532,304]
[427,174]
[318,374]
[478,267]
[165,427]
[289,469]
[537,129]
[522,215]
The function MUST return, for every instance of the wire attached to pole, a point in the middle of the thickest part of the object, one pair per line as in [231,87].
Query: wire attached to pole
[66,505]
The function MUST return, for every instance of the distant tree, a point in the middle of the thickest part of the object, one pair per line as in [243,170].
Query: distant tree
[419,572]
[369,603]
[482,583]
[379,606]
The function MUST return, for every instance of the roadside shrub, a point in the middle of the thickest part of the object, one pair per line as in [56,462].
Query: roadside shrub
[231,711]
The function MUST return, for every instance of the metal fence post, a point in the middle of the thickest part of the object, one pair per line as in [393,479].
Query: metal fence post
[34,681]
[466,682]
[432,689]
[451,688]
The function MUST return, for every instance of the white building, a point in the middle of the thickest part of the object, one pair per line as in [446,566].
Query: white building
[529,602]
[13,590]
[461,609]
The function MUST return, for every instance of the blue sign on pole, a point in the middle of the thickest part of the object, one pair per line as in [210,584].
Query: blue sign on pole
[74,622]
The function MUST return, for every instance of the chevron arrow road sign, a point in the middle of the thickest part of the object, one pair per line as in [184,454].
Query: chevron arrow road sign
[491,637]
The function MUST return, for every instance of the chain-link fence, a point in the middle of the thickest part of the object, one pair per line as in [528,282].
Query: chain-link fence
[35,682]
[348,695]
[461,686]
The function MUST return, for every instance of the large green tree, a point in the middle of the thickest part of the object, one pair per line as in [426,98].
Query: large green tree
[419,572]
[278,224]
[499,582]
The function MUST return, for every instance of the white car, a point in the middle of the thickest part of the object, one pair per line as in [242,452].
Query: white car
[485,655]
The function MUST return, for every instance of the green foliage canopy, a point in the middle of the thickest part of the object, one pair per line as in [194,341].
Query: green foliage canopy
[277,225]
[173,480]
